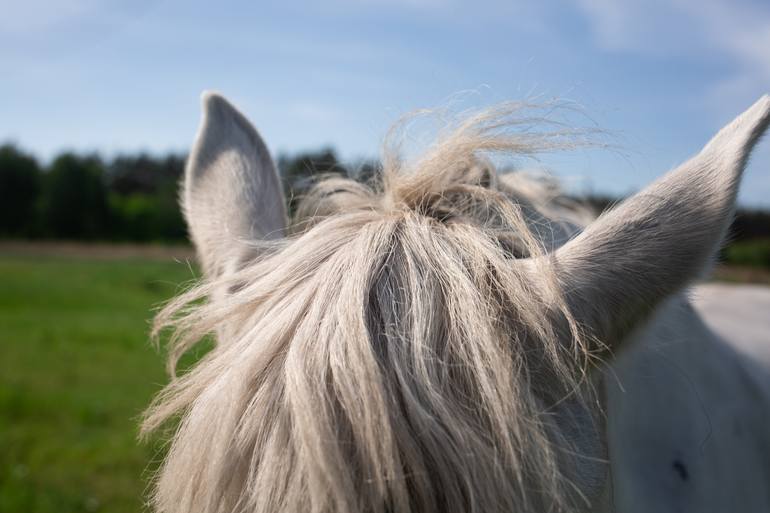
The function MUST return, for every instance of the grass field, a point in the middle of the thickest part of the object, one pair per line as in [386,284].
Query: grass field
[76,370]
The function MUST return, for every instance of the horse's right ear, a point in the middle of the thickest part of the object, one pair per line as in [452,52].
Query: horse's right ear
[658,241]
[232,192]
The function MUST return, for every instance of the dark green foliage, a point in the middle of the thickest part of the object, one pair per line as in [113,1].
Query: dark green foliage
[750,253]
[144,174]
[148,217]
[748,240]
[144,197]
[136,197]
[75,198]
[85,198]
[131,197]
[19,191]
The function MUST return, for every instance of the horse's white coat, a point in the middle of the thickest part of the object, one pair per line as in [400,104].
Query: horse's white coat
[688,421]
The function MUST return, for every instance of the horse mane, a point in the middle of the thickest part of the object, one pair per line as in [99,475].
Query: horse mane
[392,354]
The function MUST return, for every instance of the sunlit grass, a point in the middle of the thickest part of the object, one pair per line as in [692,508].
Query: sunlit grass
[76,370]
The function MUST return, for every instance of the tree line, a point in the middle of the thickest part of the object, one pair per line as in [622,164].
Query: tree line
[125,198]
[135,197]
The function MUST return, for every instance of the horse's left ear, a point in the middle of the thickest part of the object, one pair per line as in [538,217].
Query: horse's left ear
[661,239]
[232,193]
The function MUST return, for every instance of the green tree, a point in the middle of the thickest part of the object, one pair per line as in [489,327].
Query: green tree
[145,174]
[75,198]
[19,191]
[144,197]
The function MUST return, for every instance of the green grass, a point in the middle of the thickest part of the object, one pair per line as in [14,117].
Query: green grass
[76,370]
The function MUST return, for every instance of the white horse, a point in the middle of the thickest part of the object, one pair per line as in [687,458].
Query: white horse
[423,344]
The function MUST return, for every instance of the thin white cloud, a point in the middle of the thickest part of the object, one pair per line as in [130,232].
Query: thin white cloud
[739,27]
[738,30]
[734,34]
[38,15]
[39,22]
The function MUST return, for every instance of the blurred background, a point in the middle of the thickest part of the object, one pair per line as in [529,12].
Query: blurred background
[99,102]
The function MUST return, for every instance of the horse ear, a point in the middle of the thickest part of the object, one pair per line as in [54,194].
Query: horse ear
[661,239]
[232,192]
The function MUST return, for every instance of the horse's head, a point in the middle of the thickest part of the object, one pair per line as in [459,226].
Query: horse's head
[418,343]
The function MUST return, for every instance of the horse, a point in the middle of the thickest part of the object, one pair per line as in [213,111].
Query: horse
[450,338]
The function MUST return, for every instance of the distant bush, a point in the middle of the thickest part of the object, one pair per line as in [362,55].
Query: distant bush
[146,217]
[144,197]
[145,174]
[84,197]
[74,204]
[752,253]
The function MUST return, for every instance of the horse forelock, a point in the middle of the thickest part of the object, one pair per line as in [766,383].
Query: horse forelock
[392,354]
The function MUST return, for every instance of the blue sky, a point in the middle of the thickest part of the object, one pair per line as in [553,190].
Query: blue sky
[114,75]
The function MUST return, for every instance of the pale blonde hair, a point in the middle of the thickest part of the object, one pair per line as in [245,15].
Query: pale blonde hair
[393,354]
